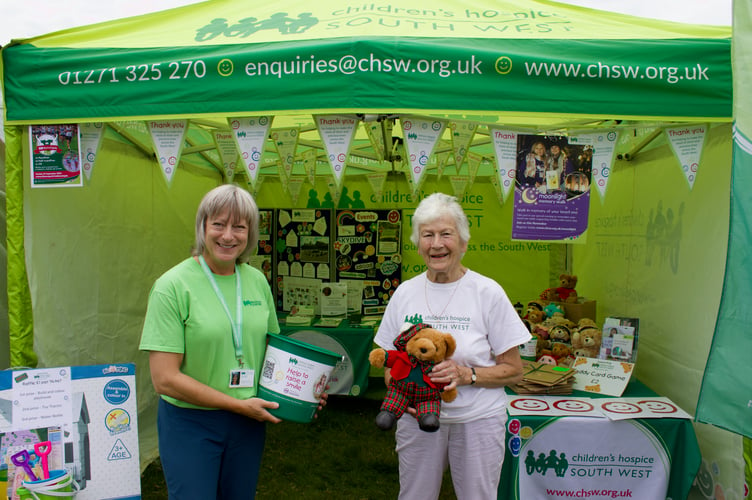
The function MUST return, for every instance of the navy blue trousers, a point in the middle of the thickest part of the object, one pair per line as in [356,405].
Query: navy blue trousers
[209,454]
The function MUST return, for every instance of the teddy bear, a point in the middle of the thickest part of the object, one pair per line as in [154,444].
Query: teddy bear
[562,353]
[565,292]
[559,333]
[534,317]
[586,341]
[418,348]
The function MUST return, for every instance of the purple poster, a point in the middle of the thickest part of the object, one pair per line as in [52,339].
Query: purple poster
[552,188]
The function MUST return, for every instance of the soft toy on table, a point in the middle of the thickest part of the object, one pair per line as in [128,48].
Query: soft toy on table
[418,349]
[586,341]
[565,292]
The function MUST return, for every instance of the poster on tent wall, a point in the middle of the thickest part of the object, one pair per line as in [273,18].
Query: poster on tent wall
[55,156]
[303,254]
[95,406]
[552,189]
[367,257]
[262,259]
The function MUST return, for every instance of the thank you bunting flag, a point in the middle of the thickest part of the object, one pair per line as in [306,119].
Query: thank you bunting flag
[505,148]
[168,137]
[687,143]
[337,132]
[462,136]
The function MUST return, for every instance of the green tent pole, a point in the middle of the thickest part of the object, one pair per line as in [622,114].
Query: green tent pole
[20,320]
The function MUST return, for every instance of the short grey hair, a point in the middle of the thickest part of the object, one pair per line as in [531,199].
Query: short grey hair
[435,206]
[242,207]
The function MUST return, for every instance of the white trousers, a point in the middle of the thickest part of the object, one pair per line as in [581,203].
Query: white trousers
[473,451]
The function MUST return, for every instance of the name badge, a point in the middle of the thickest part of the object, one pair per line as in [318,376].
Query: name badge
[240,377]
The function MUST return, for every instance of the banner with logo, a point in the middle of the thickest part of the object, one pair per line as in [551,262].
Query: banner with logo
[590,457]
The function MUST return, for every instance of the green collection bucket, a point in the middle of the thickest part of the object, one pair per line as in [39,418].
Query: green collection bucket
[59,485]
[294,374]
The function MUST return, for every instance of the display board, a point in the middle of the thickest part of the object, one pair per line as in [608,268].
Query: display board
[95,406]
[303,256]
[263,259]
[367,256]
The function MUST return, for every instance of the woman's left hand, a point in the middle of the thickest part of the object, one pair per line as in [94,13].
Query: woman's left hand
[323,397]
[448,372]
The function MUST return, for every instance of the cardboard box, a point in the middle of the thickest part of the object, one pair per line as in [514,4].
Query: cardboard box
[583,309]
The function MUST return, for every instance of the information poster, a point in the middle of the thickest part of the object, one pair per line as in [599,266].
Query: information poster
[263,259]
[552,188]
[55,156]
[303,248]
[367,249]
[88,411]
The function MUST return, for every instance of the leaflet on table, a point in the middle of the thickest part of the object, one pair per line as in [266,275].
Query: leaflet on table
[300,316]
[333,299]
[619,339]
[601,376]
[301,292]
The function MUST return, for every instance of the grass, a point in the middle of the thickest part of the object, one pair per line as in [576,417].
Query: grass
[342,454]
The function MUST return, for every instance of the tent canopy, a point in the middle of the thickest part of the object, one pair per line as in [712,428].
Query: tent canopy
[492,58]
[530,64]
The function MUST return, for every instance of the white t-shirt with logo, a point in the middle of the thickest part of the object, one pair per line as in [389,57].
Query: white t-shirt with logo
[477,312]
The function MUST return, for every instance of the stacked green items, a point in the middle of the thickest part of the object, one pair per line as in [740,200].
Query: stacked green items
[542,378]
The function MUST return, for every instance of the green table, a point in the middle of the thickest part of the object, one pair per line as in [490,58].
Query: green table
[598,458]
[350,377]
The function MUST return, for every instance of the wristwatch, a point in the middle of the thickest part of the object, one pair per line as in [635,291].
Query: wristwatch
[473,377]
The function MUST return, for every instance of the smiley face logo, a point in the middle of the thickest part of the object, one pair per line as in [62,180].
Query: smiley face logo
[503,65]
[225,67]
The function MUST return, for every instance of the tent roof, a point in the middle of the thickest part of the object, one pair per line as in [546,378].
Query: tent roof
[223,58]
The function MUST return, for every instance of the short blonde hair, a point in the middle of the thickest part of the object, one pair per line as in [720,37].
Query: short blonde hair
[241,206]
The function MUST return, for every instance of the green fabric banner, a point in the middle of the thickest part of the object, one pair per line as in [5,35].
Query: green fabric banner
[615,78]
[725,398]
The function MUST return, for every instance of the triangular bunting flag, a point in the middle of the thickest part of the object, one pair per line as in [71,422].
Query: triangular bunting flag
[459,185]
[335,190]
[250,134]
[473,164]
[294,186]
[337,132]
[462,136]
[377,181]
[687,143]
[286,141]
[375,137]
[497,187]
[228,152]
[91,138]
[309,164]
[255,187]
[441,162]
[168,137]
[420,136]
[604,147]
[505,148]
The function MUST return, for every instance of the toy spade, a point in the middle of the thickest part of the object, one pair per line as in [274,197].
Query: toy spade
[21,459]
[42,450]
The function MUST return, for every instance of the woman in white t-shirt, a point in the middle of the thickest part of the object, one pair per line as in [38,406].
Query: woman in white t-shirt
[488,331]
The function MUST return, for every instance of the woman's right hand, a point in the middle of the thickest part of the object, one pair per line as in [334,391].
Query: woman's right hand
[257,409]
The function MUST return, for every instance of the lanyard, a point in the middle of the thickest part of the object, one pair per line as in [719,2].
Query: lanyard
[237,334]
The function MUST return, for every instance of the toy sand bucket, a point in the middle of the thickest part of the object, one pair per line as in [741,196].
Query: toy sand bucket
[294,374]
[60,484]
